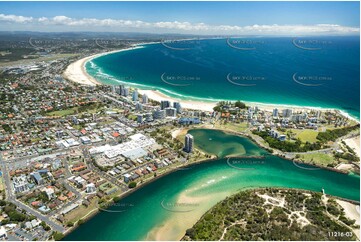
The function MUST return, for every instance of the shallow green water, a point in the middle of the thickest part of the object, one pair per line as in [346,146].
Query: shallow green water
[161,203]
[223,144]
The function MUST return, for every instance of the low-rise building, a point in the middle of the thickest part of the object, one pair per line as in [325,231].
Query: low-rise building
[20,184]
[37,178]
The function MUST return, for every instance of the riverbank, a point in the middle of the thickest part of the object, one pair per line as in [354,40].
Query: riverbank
[354,144]
[281,154]
[257,141]
[127,193]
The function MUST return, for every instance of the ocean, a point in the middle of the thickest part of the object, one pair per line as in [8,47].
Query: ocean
[319,72]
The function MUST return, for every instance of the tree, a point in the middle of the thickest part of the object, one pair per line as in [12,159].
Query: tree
[132,184]
[190,233]
[240,104]
[70,224]
[45,226]
[58,236]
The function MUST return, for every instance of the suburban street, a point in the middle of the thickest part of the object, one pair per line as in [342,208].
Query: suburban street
[11,198]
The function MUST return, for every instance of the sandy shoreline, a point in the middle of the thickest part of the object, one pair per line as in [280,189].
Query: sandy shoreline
[354,143]
[352,211]
[208,106]
[76,72]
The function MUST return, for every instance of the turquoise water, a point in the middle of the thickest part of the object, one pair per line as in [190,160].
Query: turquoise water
[224,144]
[275,72]
[152,209]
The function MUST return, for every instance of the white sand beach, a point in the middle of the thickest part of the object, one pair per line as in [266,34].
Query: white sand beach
[188,104]
[76,71]
[352,211]
[173,228]
[208,106]
[354,143]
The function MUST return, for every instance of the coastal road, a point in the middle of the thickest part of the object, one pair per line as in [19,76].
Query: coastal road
[7,181]
[325,151]
[21,161]
[121,103]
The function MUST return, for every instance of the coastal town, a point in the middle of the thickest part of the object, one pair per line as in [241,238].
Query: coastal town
[71,147]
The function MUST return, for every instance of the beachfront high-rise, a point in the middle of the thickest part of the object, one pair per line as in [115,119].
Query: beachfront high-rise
[135,96]
[121,90]
[178,107]
[188,146]
[145,98]
[159,114]
[287,113]
[138,106]
[170,112]
[126,91]
[275,113]
[164,104]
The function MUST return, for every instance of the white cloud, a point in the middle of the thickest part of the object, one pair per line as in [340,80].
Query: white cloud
[180,27]
[15,19]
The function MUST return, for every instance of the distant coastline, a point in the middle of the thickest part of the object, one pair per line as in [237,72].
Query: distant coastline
[77,72]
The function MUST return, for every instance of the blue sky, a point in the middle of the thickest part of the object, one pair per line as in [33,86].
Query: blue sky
[180,17]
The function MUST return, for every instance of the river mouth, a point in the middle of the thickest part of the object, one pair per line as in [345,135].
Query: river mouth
[166,207]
